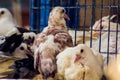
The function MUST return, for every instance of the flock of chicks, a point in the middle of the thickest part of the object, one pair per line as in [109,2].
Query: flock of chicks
[51,52]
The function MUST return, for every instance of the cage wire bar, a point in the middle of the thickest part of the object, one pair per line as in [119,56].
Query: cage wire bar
[92,20]
[118,7]
[39,12]
[109,34]
[84,23]
[100,25]
[76,22]
[34,15]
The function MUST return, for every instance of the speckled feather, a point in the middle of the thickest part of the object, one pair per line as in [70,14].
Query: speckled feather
[52,40]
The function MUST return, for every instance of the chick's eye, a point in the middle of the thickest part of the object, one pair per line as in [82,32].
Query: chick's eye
[63,11]
[81,50]
[101,27]
[2,12]
[21,48]
[2,38]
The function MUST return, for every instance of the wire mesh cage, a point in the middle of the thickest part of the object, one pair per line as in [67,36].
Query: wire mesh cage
[84,15]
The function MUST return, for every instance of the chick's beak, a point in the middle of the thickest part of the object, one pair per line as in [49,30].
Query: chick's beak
[66,17]
[77,57]
[29,52]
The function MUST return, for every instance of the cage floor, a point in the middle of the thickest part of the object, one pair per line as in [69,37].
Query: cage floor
[5,63]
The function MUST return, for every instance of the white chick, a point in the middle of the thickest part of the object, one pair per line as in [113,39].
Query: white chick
[7,23]
[104,35]
[112,70]
[79,63]
[104,22]
[52,40]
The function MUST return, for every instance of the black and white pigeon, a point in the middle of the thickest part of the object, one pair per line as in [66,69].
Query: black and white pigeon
[12,36]
[15,44]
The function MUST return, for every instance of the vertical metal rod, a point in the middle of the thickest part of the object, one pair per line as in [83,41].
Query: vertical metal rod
[101,10]
[76,21]
[38,2]
[92,21]
[45,13]
[116,47]
[68,10]
[84,23]
[31,15]
[35,15]
[108,52]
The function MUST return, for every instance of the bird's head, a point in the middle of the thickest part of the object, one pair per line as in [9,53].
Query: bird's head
[101,24]
[22,51]
[5,13]
[57,18]
[83,52]
[7,23]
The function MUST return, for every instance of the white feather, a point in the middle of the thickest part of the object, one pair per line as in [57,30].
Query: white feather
[7,23]
[90,65]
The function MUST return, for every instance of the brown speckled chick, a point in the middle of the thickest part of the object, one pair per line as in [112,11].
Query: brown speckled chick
[50,42]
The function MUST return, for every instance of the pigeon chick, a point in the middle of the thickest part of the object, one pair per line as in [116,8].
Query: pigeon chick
[103,24]
[50,42]
[79,63]
[22,51]
[18,44]
[114,38]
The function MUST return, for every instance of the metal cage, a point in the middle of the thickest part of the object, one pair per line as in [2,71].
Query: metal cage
[83,14]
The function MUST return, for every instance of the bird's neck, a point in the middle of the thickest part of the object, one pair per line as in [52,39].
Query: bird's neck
[60,24]
[7,27]
[7,21]
[58,27]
